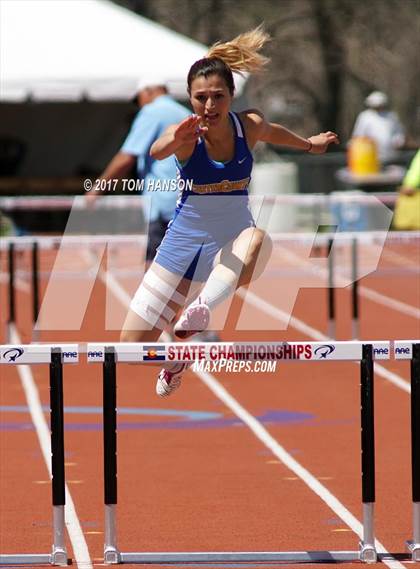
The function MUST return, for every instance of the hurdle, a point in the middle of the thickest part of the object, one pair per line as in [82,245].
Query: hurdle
[109,355]
[410,350]
[55,356]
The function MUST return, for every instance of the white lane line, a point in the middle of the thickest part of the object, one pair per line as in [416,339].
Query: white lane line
[389,302]
[392,377]
[110,281]
[369,293]
[280,452]
[281,315]
[80,548]
[401,260]
[313,333]
[264,436]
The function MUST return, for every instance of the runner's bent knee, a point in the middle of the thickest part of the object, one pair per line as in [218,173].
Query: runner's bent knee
[157,300]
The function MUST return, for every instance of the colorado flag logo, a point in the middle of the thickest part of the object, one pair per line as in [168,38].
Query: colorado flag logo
[154,353]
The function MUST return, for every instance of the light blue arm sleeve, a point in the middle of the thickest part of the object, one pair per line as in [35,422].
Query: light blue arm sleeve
[143,133]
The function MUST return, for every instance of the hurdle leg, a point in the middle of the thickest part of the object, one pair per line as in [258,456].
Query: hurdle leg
[59,553]
[52,355]
[11,292]
[35,291]
[331,331]
[367,545]
[355,320]
[414,544]
[111,552]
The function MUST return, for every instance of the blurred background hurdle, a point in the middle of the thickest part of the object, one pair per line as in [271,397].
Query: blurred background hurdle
[291,217]
[55,356]
[364,352]
[345,256]
[279,212]
[29,260]
[348,256]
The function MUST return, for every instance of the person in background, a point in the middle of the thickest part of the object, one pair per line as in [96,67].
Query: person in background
[380,124]
[407,209]
[157,111]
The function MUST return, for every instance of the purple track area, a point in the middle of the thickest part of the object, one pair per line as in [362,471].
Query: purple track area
[272,417]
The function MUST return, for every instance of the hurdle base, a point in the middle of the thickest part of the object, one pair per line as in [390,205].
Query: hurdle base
[59,557]
[414,549]
[367,553]
[112,555]
[238,557]
[33,559]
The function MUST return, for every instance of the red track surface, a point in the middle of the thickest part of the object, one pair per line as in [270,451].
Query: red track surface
[218,487]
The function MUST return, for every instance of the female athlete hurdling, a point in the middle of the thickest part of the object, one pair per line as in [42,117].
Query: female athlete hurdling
[211,246]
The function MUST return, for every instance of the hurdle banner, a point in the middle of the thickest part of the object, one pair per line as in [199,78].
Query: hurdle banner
[55,356]
[131,352]
[109,355]
[410,350]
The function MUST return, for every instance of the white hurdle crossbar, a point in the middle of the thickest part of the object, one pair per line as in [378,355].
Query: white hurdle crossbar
[110,355]
[55,356]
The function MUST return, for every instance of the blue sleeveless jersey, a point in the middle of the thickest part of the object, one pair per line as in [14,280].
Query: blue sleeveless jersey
[212,208]
[209,177]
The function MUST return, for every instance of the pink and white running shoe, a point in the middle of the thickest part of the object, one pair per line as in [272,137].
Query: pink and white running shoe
[193,320]
[169,381]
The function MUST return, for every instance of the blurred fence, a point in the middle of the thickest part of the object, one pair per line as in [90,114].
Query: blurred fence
[315,174]
[128,214]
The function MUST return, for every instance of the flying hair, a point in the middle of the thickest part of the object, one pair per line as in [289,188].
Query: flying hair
[242,53]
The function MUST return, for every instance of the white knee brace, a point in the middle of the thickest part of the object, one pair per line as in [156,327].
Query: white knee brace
[151,300]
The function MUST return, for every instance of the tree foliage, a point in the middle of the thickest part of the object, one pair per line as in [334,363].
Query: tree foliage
[327,55]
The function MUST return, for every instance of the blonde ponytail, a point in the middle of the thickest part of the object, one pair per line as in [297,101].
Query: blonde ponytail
[241,53]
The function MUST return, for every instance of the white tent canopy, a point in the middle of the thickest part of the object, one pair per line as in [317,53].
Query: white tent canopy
[68,50]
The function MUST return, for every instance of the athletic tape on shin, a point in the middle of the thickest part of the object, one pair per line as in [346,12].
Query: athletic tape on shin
[151,308]
[154,281]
